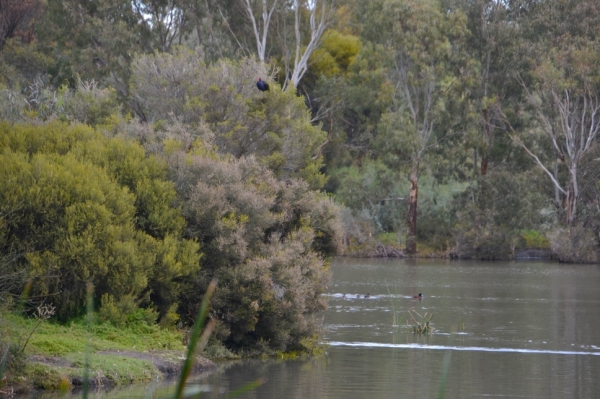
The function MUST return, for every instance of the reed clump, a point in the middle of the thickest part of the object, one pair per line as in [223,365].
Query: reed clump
[421,324]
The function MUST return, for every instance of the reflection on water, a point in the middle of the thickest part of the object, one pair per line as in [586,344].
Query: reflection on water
[525,329]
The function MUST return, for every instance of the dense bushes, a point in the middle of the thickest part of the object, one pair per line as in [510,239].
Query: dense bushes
[264,239]
[85,209]
[230,169]
[577,244]
[242,121]
[489,227]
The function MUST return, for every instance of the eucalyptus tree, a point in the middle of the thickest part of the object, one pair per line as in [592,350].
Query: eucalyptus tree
[425,48]
[492,44]
[260,22]
[170,20]
[317,16]
[293,28]
[565,103]
[557,124]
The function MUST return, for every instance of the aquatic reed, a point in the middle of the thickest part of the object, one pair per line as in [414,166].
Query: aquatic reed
[423,324]
[396,314]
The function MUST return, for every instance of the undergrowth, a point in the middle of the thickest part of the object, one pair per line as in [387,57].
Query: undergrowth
[55,339]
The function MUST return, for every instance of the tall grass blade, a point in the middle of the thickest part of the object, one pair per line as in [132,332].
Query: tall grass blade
[196,338]
[246,388]
[89,315]
[443,379]
[3,361]
[24,296]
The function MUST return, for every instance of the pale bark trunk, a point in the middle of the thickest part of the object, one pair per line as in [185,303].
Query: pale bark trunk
[261,32]
[321,17]
[572,137]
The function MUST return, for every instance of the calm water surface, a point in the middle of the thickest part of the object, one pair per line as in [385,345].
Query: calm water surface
[507,330]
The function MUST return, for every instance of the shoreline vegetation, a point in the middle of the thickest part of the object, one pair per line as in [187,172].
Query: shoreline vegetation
[140,162]
[55,355]
[53,358]
[389,245]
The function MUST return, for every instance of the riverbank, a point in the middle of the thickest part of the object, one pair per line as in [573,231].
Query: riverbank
[47,355]
[387,245]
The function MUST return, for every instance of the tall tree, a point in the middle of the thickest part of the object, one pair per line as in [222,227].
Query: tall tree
[566,105]
[299,29]
[170,20]
[320,14]
[491,43]
[426,43]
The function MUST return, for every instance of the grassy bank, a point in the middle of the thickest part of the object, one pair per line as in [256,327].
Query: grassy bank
[55,356]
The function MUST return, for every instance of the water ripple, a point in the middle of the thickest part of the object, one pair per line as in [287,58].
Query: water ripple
[458,348]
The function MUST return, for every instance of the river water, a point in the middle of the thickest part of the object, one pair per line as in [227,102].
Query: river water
[502,329]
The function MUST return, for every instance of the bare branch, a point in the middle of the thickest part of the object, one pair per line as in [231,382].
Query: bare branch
[242,47]
[321,17]
[260,32]
[517,140]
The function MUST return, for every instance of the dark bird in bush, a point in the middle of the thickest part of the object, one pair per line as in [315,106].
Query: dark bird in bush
[420,296]
[262,85]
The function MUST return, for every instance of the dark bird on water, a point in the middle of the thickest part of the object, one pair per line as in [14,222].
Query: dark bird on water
[420,296]
[262,85]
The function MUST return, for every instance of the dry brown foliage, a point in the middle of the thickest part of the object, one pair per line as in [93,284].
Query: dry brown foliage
[265,240]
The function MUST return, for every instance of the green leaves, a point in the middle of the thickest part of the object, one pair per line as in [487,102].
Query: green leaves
[91,209]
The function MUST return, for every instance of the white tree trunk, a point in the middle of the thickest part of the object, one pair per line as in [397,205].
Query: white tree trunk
[321,17]
[261,30]
[577,130]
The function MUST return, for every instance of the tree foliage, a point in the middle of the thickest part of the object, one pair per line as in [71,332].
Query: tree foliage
[274,126]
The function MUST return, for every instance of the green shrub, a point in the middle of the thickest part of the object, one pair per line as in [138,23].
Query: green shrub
[124,311]
[240,120]
[84,208]
[534,239]
[46,377]
[265,240]
[577,244]
[170,318]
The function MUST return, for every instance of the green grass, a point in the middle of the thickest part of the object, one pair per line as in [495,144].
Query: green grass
[117,370]
[391,239]
[53,339]
[59,352]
